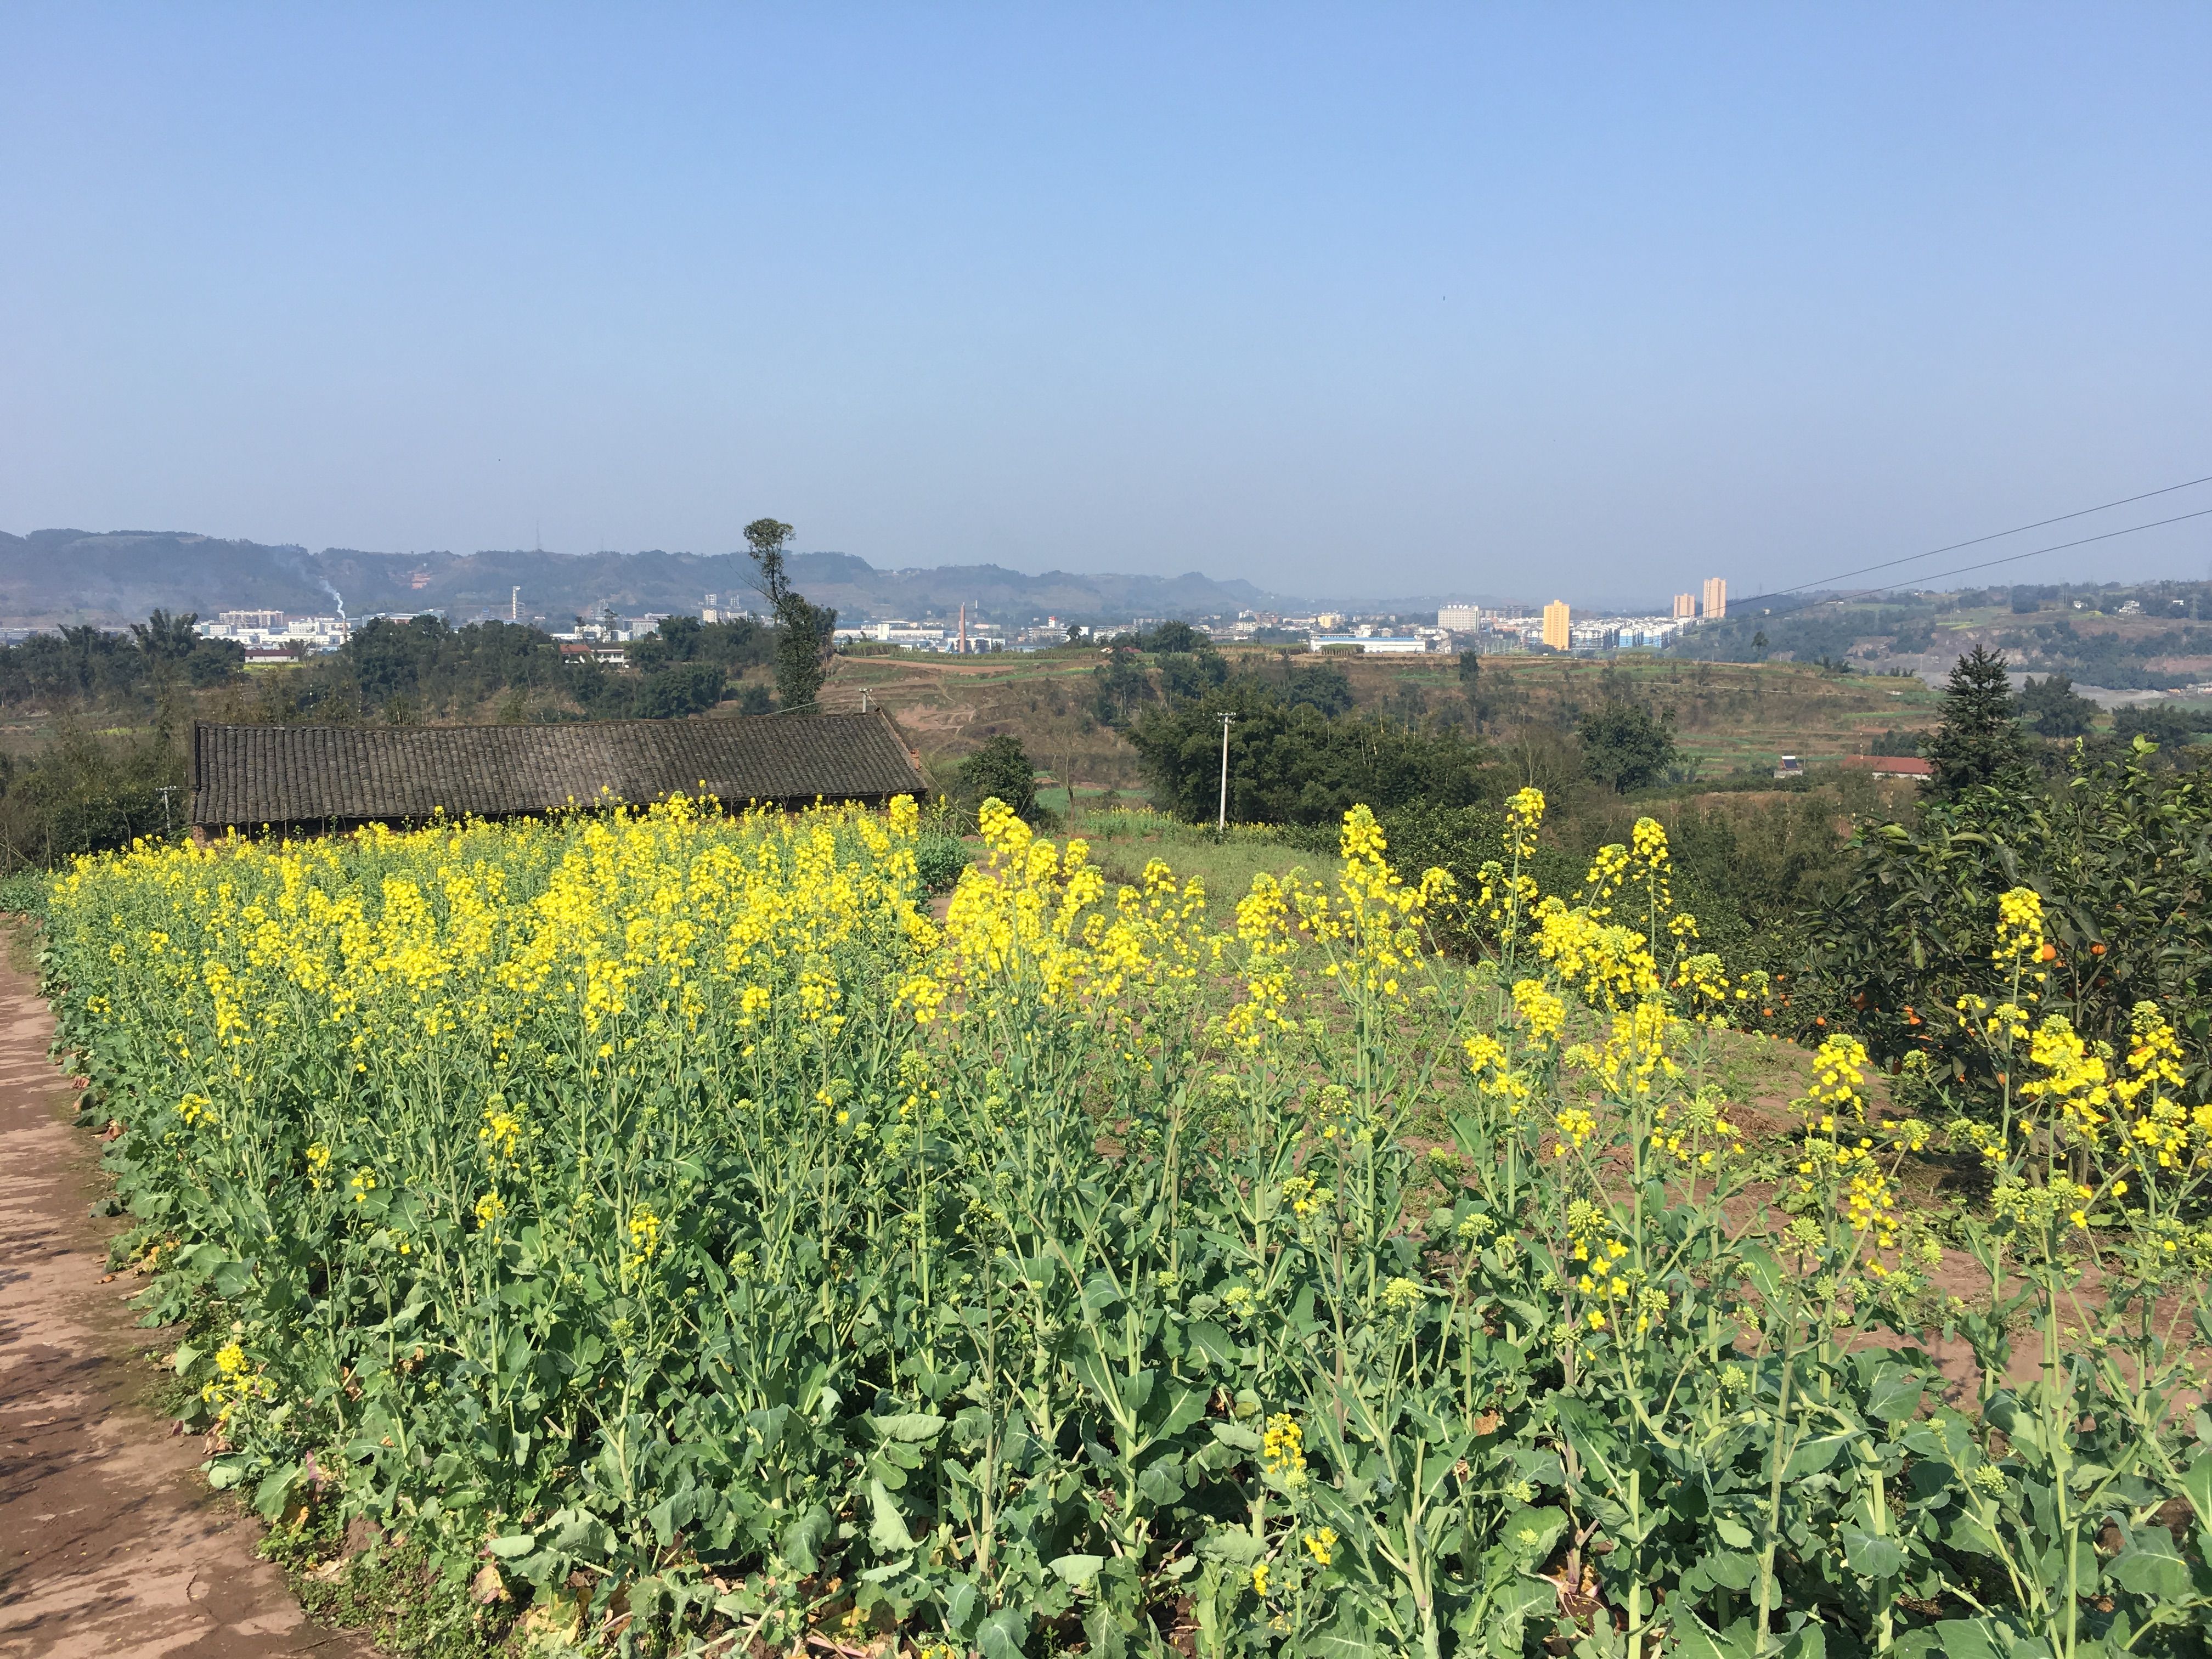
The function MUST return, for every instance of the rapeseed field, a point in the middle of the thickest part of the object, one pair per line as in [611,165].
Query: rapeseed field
[685,1239]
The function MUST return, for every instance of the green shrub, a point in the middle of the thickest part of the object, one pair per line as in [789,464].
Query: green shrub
[24,891]
[939,860]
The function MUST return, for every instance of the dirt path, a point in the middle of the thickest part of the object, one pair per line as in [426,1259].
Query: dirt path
[109,1544]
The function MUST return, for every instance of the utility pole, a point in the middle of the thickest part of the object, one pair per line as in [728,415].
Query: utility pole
[1221,819]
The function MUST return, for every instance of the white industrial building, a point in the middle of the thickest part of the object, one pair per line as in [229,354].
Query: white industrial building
[1395,645]
[273,630]
[920,636]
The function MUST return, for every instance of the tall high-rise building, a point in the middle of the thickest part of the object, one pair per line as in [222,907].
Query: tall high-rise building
[1716,596]
[1555,624]
[1459,618]
[1685,607]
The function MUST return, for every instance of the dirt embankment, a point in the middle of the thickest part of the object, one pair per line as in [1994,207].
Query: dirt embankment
[109,1544]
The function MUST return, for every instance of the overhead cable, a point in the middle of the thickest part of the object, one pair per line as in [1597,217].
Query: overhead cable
[1999,535]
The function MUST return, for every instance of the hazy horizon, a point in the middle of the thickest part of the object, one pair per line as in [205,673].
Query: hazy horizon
[1354,304]
[1584,601]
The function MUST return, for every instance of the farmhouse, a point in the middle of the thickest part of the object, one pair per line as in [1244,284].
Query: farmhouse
[1891,766]
[331,777]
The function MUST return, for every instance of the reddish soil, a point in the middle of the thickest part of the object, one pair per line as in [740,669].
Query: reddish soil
[109,1543]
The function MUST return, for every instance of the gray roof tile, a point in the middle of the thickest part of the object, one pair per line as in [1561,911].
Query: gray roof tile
[254,774]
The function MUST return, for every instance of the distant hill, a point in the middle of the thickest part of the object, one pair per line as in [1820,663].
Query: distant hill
[54,576]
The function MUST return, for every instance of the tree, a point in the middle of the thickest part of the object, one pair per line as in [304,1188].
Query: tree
[1979,743]
[1470,668]
[804,632]
[2055,710]
[2169,728]
[215,661]
[1177,636]
[1758,640]
[421,663]
[166,643]
[1001,768]
[673,640]
[1626,746]
[86,791]
[2120,859]
[390,659]
[86,649]
[1290,764]
[735,645]
[1187,674]
[1325,687]
[1121,686]
[1408,704]
[166,640]
[681,688]
[768,538]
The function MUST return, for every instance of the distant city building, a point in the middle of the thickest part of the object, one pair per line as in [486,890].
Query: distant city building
[923,637]
[264,632]
[721,608]
[1558,629]
[1557,634]
[578,651]
[1685,607]
[1387,644]
[1716,598]
[609,629]
[897,633]
[1459,618]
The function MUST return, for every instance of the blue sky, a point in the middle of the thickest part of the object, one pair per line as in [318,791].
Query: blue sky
[1349,301]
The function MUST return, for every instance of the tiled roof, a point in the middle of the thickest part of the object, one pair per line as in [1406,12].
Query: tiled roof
[1902,766]
[254,774]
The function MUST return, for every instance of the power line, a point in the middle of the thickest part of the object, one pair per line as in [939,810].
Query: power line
[2057,547]
[1999,535]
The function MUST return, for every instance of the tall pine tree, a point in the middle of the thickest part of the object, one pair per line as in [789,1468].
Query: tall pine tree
[1979,743]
